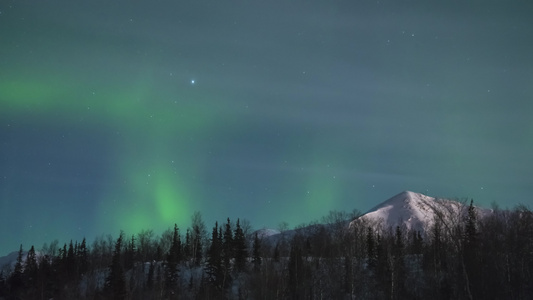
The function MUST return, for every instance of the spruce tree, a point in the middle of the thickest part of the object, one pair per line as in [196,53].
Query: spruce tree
[63,255]
[471,235]
[16,280]
[227,250]
[187,247]
[31,268]
[213,267]
[83,258]
[70,262]
[240,248]
[256,255]
[115,283]
[173,259]
[471,253]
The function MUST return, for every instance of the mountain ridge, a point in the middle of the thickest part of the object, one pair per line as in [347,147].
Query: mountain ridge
[414,211]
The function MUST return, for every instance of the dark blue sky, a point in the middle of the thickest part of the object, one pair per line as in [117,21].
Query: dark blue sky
[134,114]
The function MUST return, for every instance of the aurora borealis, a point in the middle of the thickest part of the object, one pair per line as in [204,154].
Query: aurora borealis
[134,114]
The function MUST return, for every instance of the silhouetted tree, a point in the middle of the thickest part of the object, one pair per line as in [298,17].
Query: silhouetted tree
[187,246]
[240,252]
[470,252]
[83,258]
[213,266]
[462,255]
[227,253]
[172,260]
[115,284]
[31,268]
[70,262]
[256,253]
[16,280]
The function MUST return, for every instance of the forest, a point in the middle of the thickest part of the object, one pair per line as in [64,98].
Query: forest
[461,255]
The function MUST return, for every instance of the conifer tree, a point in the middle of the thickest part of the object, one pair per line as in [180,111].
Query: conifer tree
[187,247]
[115,283]
[470,238]
[83,257]
[214,259]
[16,281]
[31,267]
[173,259]
[240,248]
[227,250]
[70,262]
[256,255]
[471,252]
[61,261]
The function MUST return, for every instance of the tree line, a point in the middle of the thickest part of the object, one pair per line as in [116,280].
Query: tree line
[460,255]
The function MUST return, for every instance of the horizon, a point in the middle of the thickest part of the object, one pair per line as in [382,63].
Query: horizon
[233,221]
[128,115]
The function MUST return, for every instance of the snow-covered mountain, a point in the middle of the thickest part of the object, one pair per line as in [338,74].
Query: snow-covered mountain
[409,210]
[414,211]
[266,232]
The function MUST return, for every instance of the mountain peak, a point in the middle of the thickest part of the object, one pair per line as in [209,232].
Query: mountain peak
[413,210]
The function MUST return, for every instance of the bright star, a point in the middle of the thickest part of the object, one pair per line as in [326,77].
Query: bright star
[192,81]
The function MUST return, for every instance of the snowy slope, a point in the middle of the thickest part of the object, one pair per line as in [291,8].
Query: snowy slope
[412,210]
[266,232]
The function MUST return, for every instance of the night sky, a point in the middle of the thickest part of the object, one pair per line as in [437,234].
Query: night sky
[134,114]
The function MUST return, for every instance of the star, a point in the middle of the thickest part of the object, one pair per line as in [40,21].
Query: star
[192,81]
